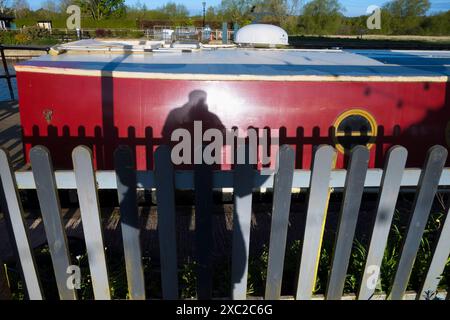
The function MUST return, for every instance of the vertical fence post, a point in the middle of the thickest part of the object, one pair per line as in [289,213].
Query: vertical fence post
[91,220]
[348,217]
[19,228]
[427,187]
[243,177]
[224,32]
[129,221]
[44,179]
[165,198]
[319,193]
[282,188]
[203,229]
[390,187]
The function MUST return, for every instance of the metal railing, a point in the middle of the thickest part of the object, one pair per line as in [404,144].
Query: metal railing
[6,74]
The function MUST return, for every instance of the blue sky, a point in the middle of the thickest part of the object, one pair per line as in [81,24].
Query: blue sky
[353,7]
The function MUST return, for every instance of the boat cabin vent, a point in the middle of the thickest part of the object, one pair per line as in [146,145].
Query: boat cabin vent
[261,35]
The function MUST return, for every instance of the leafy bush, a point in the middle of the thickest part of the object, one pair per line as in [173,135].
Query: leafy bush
[36,33]
[29,35]
[103,33]
[8,37]
[134,34]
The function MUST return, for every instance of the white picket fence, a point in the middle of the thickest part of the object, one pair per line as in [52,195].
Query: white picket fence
[243,179]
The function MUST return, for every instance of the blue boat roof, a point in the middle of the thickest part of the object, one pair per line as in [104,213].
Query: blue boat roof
[257,62]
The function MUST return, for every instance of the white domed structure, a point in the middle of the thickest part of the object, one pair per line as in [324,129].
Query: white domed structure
[261,34]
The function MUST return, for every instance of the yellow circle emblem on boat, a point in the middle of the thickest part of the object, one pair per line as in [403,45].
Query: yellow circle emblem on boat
[354,127]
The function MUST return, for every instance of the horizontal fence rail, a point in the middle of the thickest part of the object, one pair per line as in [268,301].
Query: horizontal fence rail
[243,180]
[184,180]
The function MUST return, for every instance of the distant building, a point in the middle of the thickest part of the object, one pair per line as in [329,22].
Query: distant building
[7,22]
[45,24]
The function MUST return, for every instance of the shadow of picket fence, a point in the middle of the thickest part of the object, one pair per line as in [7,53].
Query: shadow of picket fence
[243,179]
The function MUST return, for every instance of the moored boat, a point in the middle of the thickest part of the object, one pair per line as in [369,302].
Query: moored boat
[103,94]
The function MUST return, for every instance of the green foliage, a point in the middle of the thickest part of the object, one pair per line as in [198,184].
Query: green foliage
[324,267]
[20,7]
[36,32]
[237,11]
[21,38]
[356,267]
[408,8]
[321,17]
[30,35]
[316,17]
[135,34]
[424,254]
[187,280]
[257,272]
[438,24]
[8,37]
[173,11]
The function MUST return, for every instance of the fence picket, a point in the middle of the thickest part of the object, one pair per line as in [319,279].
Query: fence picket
[348,217]
[243,179]
[428,183]
[319,194]
[165,199]
[19,228]
[438,262]
[129,221]
[282,187]
[203,229]
[44,178]
[91,220]
[243,187]
[387,200]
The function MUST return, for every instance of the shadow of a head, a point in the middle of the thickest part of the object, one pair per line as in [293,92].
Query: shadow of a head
[195,109]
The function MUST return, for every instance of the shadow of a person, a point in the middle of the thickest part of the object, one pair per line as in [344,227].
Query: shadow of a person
[196,109]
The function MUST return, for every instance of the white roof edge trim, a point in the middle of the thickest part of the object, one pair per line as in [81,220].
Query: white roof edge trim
[228,77]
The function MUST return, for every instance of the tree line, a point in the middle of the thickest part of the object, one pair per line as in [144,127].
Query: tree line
[316,17]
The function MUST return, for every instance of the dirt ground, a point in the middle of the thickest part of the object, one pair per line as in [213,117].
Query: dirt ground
[10,132]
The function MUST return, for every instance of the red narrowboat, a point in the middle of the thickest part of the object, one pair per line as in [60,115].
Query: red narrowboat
[104,94]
